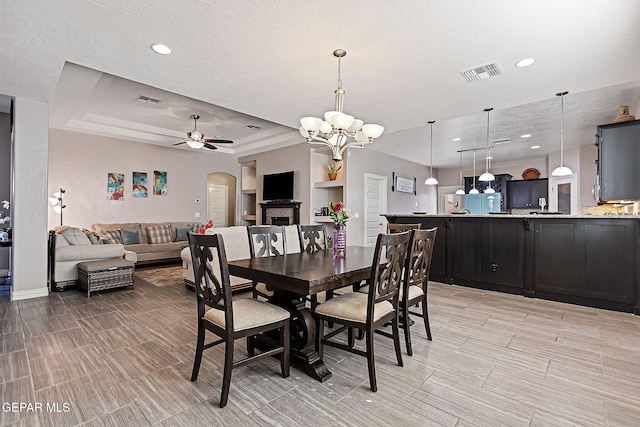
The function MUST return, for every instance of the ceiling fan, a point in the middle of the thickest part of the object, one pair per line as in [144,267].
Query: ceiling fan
[197,140]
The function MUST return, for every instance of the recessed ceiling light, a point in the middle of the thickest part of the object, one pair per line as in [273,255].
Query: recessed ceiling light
[160,48]
[526,135]
[535,147]
[456,139]
[525,62]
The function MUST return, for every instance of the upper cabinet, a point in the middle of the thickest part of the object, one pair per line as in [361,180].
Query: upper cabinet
[618,155]
[526,194]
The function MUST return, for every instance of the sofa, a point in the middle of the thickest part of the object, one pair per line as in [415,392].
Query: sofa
[236,244]
[69,246]
[152,242]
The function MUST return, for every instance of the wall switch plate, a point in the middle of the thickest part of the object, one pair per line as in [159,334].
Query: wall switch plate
[197,214]
[356,214]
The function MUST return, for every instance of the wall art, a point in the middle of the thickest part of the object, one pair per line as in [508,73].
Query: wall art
[115,186]
[160,183]
[139,184]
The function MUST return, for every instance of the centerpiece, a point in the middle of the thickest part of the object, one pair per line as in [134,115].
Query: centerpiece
[340,215]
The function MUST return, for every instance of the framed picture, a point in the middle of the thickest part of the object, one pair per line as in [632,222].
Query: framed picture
[404,185]
[115,186]
[139,184]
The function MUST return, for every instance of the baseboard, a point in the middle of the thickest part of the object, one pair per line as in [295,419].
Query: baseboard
[31,293]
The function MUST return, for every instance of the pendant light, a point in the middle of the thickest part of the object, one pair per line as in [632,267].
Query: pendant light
[486,176]
[461,189]
[562,170]
[474,190]
[489,188]
[431,180]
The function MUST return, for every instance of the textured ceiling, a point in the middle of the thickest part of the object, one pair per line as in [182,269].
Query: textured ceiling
[272,61]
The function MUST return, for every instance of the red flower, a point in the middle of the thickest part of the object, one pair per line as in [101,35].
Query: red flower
[201,231]
[337,207]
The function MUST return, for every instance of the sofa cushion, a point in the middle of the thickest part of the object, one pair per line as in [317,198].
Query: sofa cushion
[75,237]
[113,236]
[159,234]
[88,252]
[130,237]
[182,233]
[168,247]
[139,249]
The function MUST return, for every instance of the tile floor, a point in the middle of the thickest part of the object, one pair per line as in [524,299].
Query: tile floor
[124,357]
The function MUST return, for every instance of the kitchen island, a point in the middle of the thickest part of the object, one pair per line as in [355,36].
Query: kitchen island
[585,259]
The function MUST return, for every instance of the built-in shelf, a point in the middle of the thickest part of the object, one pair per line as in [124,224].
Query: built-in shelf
[249,191]
[249,217]
[322,218]
[329,184]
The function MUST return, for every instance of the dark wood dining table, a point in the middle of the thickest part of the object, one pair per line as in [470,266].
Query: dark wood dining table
[295,276]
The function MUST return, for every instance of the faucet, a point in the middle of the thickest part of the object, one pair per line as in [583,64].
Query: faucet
[466,211]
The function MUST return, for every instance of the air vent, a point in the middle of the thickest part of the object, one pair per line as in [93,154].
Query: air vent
[482,72]
[147,100]
[501,141]
[253,127]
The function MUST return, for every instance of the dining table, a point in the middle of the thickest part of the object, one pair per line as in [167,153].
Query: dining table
[296,276]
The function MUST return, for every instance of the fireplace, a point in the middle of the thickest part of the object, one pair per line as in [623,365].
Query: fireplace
[280,212]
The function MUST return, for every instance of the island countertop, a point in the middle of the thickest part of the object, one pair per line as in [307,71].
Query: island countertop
[505,215]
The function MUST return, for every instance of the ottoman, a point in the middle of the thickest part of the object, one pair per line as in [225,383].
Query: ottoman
[105,274]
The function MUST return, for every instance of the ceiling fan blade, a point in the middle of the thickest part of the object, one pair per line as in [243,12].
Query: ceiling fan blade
[209,146]
[178,143]
[218,141]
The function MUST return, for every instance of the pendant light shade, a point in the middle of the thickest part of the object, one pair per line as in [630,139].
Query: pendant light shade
[487,176]
[561,170]
[431,180]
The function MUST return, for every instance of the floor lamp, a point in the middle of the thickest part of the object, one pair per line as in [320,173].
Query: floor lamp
[56,202]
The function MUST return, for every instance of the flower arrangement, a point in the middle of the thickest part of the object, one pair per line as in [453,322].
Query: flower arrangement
[207,226]
[334,168]
[338,213]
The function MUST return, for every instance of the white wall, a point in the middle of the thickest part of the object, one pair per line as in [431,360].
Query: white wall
[29,220]
[79,163]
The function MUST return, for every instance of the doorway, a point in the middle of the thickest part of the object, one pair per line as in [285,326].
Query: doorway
[375,201]
[221,199]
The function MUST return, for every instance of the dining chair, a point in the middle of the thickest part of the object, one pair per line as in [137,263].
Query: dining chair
[264,241]
[231,319]
[313,238]
[367,312]
[399,228]
[415,281]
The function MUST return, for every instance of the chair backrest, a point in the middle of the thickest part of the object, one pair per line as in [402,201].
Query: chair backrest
[293,239]
[399,228]
[213,289]
[267,240]
[313,238]
[419,261]
[389,260]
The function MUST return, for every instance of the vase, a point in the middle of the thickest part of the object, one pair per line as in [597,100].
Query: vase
[333,176]
[339,241]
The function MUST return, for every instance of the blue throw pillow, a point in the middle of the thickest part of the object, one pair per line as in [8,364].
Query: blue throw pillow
[130,237]
[181,234]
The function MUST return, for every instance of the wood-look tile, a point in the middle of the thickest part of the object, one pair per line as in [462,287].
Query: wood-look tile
[131,362]
[13,366]
[103,322]
[56,342]
[11,342]
[19,390]
[117,338]
[96,307]
[129,416]
[38,326]
[623,366]
[545,419]
[65,366]
[619,414]
[552,350]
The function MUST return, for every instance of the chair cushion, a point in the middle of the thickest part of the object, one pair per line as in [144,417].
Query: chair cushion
[353,306]
[249,313]
[160,234]
[414,291]
[262,288]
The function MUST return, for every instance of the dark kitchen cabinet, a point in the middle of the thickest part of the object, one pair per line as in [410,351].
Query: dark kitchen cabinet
[618,154]
[525,194]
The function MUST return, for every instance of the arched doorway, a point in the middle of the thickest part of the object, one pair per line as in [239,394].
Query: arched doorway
[221,199]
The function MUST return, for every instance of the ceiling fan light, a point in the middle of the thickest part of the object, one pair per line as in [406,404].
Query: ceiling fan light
[431,181]
[486,176]
[372,131]
[561,171]
[195,144]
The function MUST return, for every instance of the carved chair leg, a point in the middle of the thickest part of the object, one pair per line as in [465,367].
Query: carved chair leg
[199,350]
[407,328]
[226,376]
[396,339]
[425,317]
[371,360]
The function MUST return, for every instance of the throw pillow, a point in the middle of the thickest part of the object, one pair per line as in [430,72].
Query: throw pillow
[130,237]
[182,233]
[113,236]
[75,237]
[159,234]
[93,236]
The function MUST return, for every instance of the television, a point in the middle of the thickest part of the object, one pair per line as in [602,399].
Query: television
[277,186]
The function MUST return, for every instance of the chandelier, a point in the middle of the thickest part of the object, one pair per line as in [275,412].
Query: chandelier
[339,130]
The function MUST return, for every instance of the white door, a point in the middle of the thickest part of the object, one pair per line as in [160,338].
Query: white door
[217,204]
[375,202]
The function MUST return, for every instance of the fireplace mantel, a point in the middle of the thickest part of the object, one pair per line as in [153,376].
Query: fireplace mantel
[280,208]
